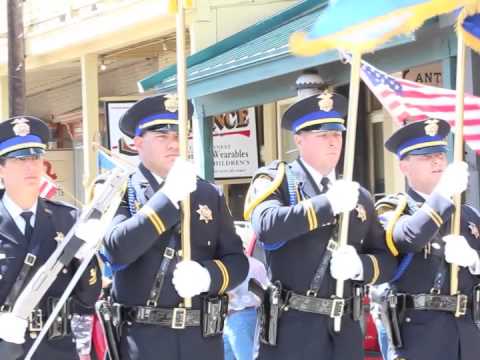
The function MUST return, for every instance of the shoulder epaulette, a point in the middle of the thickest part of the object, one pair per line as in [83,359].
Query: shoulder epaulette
[250,201]
[398,204]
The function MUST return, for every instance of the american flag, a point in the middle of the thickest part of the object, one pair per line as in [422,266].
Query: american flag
[48,188]
[408,101]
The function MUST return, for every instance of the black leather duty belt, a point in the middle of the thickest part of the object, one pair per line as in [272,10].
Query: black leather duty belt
[451,303]
[331,307]
[177,318]
[38,317]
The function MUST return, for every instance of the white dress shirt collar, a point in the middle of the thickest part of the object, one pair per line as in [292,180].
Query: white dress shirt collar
[14,210]
[317,177]
[159,179]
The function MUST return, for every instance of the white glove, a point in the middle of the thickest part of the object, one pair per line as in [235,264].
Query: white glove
[346,264]
[88,232]
[12,328]
[180,182]
[454,180]
[459,252]
[190,279]
[343,196]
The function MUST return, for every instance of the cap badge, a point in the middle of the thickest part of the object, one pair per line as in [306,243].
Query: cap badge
[171,102]
[326,101]
[21,127]
[205,214]
[431,127]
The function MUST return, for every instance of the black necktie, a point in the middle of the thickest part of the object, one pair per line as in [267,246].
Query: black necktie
[325,182]
[27,215]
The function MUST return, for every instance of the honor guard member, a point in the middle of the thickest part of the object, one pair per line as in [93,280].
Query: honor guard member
[427,322]
[294,210]
[143,246]
[30,230]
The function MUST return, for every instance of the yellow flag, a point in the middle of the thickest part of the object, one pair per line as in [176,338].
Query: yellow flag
[173,5]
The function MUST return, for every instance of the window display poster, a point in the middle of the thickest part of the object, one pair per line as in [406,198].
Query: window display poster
[235,148]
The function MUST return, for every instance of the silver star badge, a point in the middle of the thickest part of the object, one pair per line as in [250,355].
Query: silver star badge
[361,213]
[205,213]
[59,237]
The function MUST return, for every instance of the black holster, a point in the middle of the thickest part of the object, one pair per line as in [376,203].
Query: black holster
[476,305]
[61,326]
[213,314]
[270,313]
[110,319]
[357,298]
[395,309]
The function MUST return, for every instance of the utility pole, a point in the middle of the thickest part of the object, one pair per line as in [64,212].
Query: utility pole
[16,57]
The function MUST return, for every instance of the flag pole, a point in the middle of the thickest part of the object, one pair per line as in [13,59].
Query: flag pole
[348,162]
[183,126]
[458,148]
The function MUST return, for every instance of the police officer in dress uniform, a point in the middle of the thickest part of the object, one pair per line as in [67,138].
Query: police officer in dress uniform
[293,208]
[30,230]
[143,246]
[433,324]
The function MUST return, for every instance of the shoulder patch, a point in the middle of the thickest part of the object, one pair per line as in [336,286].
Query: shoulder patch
[388,203]
[271,182]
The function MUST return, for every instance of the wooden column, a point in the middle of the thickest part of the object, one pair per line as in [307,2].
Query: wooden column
[90,117]
[4,98]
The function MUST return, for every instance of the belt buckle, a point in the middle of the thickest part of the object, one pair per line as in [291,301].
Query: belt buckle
[332,245]
[30,259]
[461,308]
[169,253]
[338,306]
[5,308]
[179,318]
[35,321]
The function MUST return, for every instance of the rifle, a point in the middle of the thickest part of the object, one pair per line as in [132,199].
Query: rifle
[102,209]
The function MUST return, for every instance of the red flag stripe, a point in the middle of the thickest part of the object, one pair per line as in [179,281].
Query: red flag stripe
[405,99]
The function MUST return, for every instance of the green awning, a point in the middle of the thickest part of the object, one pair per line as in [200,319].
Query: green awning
[255,66]
[264,41]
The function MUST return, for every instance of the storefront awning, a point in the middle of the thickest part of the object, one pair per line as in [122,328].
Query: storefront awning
[255,66]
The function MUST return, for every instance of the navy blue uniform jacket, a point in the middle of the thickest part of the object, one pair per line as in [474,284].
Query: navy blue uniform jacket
[434,334]
[135,244]
[305,229]
[53,219]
